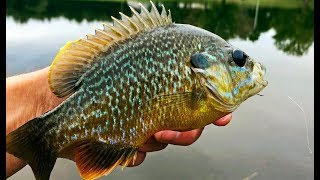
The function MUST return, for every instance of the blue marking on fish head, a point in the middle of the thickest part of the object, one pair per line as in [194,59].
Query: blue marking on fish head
[230,76]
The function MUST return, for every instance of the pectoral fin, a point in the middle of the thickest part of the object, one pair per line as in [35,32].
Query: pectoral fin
[190,99]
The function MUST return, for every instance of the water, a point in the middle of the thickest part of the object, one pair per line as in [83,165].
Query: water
[266,138]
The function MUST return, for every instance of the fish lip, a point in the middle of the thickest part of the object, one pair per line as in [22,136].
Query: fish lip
[262,73]
[264,83]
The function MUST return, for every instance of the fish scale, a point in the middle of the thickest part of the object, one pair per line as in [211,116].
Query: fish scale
[101,76]
[127,82]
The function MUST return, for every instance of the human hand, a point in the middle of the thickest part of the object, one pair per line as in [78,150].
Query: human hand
[160,140]
[28,96]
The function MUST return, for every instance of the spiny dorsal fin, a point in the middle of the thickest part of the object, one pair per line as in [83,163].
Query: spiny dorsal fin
[76,57]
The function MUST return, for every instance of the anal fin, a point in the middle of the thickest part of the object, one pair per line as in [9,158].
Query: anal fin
[95,159]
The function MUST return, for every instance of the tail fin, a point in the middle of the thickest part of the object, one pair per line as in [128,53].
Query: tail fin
[31,142]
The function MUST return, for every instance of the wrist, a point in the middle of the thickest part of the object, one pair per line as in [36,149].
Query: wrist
[28,96]
[45,100]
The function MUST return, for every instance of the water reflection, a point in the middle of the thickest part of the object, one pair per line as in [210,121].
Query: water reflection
[293,26]
[267,136]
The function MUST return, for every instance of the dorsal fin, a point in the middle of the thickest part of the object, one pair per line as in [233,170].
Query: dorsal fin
[74,59]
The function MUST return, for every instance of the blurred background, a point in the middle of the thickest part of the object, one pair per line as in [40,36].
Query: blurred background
[268,135]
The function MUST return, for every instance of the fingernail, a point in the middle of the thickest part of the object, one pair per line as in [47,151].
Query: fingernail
[177,135]
[169,136]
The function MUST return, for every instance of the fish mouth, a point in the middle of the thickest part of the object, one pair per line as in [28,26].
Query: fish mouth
[264,83]
[259,74]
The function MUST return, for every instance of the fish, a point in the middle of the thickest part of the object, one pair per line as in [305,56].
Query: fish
[127,81]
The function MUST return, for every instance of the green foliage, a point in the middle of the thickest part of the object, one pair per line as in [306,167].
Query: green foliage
[293,22]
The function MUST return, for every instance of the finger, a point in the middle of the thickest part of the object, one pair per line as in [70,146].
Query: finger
[223,121]
[178,138]
[152,145]
[139,159]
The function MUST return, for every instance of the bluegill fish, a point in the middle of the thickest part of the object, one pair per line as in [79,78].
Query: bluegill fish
[141,75]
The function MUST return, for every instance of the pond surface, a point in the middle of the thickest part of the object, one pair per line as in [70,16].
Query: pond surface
[267,137]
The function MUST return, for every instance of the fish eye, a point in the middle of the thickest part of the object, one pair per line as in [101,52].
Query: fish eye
[199,60]
[239,57]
